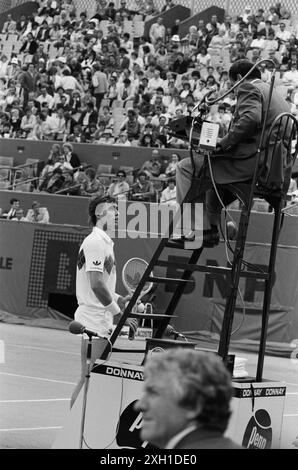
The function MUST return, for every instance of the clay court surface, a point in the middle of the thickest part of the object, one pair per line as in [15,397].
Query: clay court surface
[42,367]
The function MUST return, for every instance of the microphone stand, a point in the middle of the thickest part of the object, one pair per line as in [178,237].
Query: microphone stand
[86,385]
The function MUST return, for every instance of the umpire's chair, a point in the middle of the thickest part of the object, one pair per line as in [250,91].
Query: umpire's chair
[274,163]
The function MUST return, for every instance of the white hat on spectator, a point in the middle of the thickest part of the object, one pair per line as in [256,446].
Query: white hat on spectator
[14,60]
[68,145]
[62,59]
[175,38]
[108,131]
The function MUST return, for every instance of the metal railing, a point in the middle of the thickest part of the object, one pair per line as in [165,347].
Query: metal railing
[233,7]
[6,5]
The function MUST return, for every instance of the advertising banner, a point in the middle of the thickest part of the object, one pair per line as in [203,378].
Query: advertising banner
[257,413]
[38,261]
[113,423]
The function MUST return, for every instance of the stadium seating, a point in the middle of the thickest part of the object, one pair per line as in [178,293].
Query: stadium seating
[105,174]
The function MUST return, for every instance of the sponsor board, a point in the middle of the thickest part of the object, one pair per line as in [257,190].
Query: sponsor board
[258,432]
[112,422]
[118,371]
[257,413]
[111,419]
[260,392]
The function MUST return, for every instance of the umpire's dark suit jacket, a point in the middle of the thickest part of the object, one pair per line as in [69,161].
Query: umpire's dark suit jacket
[235,160]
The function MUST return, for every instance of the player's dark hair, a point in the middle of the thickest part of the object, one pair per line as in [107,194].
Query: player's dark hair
[93,203]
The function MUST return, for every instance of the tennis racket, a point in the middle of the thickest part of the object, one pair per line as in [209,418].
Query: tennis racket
[132,272]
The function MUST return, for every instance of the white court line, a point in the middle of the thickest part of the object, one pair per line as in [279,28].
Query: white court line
[292,393]
[43,349]
[37,378]
[290,416]
[35,400]
[31,429]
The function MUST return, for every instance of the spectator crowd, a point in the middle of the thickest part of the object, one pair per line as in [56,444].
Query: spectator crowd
[70,78]
[36,214]
[74,78]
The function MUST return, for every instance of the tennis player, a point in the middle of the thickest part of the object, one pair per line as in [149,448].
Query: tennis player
[99,307]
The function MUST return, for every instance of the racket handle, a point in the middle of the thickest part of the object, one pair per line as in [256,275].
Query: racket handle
[149,311]
[131,333]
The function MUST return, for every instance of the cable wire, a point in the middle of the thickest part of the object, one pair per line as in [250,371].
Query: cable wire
[102,364]
[243,313]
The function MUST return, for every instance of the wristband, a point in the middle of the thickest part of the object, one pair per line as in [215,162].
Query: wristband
[113,308]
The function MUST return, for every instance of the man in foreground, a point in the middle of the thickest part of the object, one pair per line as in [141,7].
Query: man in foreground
[186,400]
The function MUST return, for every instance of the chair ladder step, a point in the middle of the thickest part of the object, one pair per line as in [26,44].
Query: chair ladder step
[166,280]
[149,316]
[176,245]
[211,269]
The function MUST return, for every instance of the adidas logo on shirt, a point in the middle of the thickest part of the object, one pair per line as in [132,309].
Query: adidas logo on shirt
[97,263]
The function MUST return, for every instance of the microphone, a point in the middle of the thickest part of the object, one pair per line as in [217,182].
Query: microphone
[204,102]
[78,329]
[170,331]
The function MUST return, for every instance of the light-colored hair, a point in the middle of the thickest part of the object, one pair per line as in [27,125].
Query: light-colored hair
[68,145]
[196,375]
